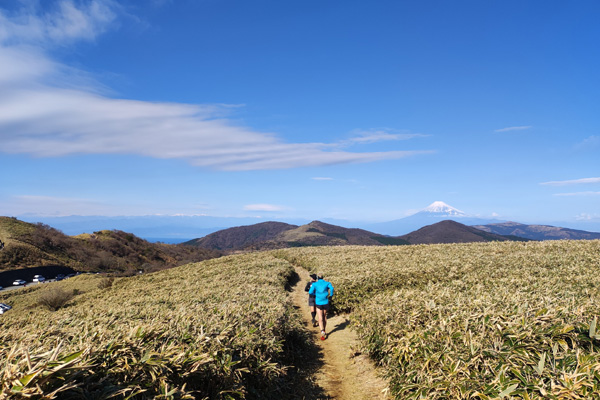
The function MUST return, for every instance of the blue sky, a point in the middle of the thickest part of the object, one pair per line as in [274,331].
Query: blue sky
[316,109]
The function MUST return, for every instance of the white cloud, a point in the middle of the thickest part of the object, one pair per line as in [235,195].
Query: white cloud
[319,178]
[513,128]
[68,22]
[578,194]
[48,109]
[572,182]
[380,135]
[264,207]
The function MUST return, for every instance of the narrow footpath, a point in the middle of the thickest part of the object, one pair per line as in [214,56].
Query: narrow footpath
[344,373]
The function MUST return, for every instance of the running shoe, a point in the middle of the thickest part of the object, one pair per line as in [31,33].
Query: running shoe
[323,335]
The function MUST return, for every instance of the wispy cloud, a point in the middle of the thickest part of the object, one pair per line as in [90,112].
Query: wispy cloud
[572,182]
[591,142]
[45,112]
[381,135]
[578,194]
[320,178]
[264,207]
[513,128]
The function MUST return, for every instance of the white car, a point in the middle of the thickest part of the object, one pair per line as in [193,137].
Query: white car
[19,282]
[4,308]
[38,278]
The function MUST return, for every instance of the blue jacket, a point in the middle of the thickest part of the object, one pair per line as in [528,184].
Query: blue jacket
[321,289]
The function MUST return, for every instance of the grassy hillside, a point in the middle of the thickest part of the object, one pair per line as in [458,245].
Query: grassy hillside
[467,321]
[220,329]
[457,321]
[29,245]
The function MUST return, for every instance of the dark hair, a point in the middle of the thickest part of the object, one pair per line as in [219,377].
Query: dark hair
[313,276]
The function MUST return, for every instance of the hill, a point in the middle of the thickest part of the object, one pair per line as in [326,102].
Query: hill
[227,325]
[241,236]
[537,232]
[32,245]
[451,232]
[277,235]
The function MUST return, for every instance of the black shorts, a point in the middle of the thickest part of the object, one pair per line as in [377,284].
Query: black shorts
[323,306]
[311,301]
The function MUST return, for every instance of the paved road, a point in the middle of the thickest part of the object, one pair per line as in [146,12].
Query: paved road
[6,289]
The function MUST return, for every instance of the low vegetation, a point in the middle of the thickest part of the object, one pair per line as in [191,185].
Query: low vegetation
[219,329]
[483,321]
[463,321]
[54,298]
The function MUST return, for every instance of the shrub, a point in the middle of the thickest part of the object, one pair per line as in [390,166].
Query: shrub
[54,299]
[105,283]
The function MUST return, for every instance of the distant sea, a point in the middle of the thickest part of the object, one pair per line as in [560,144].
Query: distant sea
[167,240]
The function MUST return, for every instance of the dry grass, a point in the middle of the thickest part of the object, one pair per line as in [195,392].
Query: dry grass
[486,321]
[54,298]
[209,330]
[469,321]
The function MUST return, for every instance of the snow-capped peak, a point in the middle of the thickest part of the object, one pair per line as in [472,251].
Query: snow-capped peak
[439,207]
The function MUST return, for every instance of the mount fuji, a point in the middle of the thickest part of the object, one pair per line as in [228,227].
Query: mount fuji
[436,212]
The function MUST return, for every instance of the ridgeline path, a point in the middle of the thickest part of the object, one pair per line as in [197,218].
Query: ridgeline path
[343,373]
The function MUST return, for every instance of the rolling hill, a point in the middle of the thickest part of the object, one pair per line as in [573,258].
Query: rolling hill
[537,232]
[33,245]
[241,236]
[275,235]
[453,232]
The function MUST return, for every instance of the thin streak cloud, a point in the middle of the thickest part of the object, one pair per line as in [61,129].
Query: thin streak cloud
[578,194]
[513,128]
[572,182]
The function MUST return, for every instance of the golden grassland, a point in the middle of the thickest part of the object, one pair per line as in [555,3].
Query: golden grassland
[462,321]
[216,329]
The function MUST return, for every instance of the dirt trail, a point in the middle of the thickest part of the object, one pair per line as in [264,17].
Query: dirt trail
[343,374]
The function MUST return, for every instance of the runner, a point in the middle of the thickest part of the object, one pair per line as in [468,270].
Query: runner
[311,299]
[323,291]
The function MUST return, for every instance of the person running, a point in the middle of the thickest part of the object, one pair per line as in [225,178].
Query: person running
[311,299]
[323,291]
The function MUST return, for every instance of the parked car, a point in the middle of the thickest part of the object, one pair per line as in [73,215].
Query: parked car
[1,288]
[19,282]
[59,277]
[38,278]
[4,308]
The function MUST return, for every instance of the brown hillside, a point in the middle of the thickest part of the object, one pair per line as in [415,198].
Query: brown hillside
[450,232]
[538,232]
[276,235]
[32,245]
[241,236]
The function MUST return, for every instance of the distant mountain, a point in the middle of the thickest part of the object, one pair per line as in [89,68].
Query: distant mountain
[274,235]
[451,232]
[436,212]
[537,232]
[241,236]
